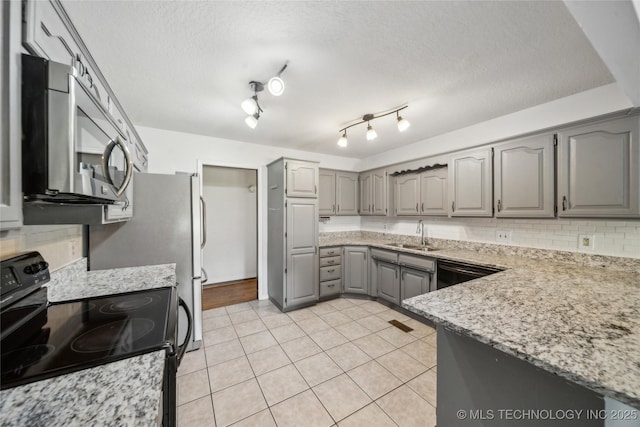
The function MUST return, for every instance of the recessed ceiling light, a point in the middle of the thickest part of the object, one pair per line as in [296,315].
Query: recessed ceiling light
[276,86]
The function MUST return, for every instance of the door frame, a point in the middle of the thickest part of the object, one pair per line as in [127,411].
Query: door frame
[261,184]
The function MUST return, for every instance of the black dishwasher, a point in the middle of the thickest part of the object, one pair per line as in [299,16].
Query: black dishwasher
[452,272]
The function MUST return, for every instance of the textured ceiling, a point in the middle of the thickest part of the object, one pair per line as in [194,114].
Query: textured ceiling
[186,65]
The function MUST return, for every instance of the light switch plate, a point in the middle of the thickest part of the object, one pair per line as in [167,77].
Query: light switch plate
[586,242]
[503,236]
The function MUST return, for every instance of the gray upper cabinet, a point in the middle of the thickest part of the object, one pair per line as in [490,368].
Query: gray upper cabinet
[338,193]
[302,179]
[10,120]
[598,170]
[346,193]
[373,193]
[327,192]
[302,255]
[407,195]
[434,192]
[413,283]
[524,178]
[356,267]
[470,183]
[387,276]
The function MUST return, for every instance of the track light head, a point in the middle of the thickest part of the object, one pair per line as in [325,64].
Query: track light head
[371,133]
[342,142]
[252,121]
[250,105]
[403,124]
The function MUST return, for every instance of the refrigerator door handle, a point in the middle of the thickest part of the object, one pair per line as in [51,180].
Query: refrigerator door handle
[203,240]
[204,276]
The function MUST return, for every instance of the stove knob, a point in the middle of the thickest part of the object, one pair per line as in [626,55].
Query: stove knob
[29,269]
[43,265]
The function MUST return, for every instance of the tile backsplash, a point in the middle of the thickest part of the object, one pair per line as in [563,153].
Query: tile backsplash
[58,244]
[609,237]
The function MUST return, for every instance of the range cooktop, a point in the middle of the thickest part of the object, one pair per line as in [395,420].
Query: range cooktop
[43,340]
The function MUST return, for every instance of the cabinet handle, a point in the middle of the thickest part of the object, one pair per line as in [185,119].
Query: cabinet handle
[396,273]
[416,207]
[499,205]
[338,207]
[331,286]
[331,271]
[564,203]
[333,208]
[453,206]
[422,207]
[330,261]
[369,210]
[315,189]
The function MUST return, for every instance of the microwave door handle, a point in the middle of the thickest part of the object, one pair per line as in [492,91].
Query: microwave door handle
[203,240]
[128,167]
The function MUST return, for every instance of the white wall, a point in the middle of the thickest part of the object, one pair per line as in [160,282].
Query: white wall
[231,252]
[612,237]
[584,105]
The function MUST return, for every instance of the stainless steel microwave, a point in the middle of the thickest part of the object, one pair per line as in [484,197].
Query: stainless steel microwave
[72,149]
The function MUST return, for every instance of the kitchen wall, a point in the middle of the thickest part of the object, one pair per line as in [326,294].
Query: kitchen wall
[232,208]
[58,244]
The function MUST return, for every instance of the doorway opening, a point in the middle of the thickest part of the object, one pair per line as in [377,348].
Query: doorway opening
[230,257]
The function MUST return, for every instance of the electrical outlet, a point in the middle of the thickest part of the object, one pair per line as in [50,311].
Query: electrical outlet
[72,248]
[586,242]
[503,236]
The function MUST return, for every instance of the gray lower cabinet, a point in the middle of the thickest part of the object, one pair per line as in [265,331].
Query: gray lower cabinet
[524,176]
[470,183]
[598,170]
[356,268]
[388,280]
[330,272]
[414,283]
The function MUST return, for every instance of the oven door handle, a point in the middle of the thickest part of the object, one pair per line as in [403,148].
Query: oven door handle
[183,348]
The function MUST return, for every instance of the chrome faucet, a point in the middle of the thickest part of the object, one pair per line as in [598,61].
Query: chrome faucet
[420,229]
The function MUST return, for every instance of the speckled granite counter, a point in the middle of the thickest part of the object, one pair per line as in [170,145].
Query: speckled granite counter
[578,321]
[123,393]
[74,282]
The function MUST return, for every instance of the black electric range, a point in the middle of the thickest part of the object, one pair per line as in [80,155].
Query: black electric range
[41,340]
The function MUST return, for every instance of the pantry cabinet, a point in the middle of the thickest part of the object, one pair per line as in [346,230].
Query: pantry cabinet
[598,170]
[301,179]
[523,183]
[470,183]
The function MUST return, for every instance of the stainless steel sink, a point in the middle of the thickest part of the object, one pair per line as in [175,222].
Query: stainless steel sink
[413,247]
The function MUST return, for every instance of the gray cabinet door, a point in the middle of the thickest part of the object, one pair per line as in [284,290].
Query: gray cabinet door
[346,193]
[302,179]
[413,283]
[407,195]
[598,170]
[302,252]
[365,193]
[524,178]
[355,272]
[327,193]
[433,192]
[10,118]
[379,192]
[470,179]
[388,281]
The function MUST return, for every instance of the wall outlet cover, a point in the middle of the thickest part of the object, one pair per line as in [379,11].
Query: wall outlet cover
[586,242]
[503,236]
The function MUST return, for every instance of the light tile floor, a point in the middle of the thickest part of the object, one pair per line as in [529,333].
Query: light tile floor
[336,363]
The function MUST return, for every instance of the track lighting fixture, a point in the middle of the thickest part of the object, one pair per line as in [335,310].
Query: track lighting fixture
[251,106]
[403,125]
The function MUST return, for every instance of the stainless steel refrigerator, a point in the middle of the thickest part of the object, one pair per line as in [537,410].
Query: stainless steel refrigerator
[166,228]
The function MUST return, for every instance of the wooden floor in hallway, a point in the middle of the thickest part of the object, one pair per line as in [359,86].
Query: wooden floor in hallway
[229,293]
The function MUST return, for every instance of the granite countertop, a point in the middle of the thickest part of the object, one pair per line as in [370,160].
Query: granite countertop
[124,393]
[578,321]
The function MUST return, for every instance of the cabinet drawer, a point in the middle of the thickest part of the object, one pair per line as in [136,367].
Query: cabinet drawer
[330,273]
[332,260]
[325,252]
[331,287]
[384,255]
[418,262]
